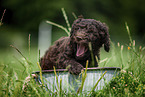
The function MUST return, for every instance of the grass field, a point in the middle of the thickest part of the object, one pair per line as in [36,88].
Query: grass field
[14,68]
[17,65]
[12,59]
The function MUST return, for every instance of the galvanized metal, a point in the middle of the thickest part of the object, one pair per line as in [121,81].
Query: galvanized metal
[72,82]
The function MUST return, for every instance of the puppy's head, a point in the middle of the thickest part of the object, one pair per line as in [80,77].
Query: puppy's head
[89,30]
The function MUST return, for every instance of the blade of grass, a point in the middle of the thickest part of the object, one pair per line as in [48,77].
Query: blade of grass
[93,89]
[56,77]
[29,43]
[74,15]
[21,54]
[84,75]
[40,74]
[20,62]
[60,88]
[59,26]
[9,79]
[133,50]
[1,22]
[66,19]
[128,31]
[39,56]
[22,65]
[131,41]
[92,56]
[106,61]
[121,54]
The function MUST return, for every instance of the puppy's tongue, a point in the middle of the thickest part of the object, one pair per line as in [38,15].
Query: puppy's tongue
[80,49]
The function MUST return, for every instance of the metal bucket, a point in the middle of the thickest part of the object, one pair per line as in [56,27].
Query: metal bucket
[71,82]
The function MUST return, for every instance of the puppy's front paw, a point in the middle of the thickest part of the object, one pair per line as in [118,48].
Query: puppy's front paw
[76,69]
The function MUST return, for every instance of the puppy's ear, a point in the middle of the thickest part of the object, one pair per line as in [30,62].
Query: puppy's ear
[104,34]
[105,40]
[107,45]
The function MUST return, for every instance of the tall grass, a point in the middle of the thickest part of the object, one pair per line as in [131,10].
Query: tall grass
[1,20]
[130,82]
[68,29]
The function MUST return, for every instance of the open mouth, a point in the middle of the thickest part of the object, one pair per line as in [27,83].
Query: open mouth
[81,49]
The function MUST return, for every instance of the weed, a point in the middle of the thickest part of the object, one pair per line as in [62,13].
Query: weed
[2,17]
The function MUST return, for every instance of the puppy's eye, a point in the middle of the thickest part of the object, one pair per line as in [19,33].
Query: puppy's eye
[76,28]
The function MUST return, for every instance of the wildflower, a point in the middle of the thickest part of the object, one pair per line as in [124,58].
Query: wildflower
[133,42]
[126,85]
[118,44]
[123,71]
[140,48]
[121,47]
[113,87]
[128,48]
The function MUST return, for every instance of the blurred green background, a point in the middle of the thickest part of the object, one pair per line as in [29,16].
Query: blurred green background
[23,17]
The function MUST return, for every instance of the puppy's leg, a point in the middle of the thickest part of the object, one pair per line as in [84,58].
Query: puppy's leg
[73,66]
[46,64]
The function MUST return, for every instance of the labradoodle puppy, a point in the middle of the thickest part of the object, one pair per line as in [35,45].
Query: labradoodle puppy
[74,51]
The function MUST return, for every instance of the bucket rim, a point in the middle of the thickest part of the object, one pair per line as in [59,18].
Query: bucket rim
[88,69]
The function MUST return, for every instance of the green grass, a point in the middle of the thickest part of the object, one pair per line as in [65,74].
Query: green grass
[12,60]
[17,81]
[130,82]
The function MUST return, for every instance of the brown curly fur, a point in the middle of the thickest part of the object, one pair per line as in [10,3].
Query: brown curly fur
[74,50]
